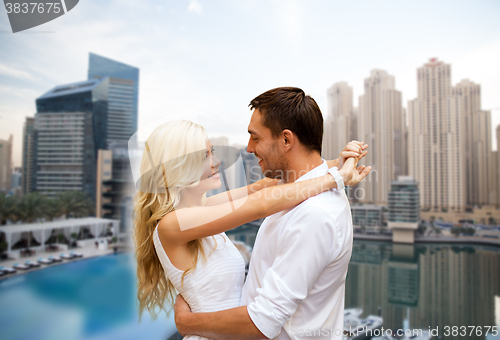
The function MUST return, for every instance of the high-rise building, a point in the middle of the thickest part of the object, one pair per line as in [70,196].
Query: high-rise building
[70,126]
[449,141]
[340,123]
[495,172]
[404,209]
[404,200]
[382,126]
[28,181]
[477,127]
[6,164]
[16,181]
[436,140]
[367,217]
[115,186]
[123,96]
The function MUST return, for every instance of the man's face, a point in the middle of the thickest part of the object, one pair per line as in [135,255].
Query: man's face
[266,148]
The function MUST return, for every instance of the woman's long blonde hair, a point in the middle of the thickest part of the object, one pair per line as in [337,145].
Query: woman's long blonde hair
[173,159]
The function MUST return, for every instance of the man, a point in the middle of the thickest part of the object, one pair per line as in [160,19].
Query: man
[296,281]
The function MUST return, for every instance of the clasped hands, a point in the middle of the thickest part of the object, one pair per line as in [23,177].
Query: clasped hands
[348,163]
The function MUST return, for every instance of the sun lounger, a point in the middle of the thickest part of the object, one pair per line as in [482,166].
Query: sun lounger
[45,261]
[32,264]
[76,254]
[67,256]
[21,266]
[8,270]
[54,259]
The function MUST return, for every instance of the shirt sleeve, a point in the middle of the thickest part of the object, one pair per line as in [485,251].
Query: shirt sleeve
[303,252]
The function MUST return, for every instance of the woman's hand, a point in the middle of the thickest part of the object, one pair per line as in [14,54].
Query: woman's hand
[351,174]
[352,149]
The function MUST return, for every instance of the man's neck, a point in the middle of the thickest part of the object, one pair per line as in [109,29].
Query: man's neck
[299,166]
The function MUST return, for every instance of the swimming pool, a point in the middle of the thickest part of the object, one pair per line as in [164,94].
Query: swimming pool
[92,299]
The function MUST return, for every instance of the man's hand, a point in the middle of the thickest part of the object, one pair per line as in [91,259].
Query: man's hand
[351,174]
[352,149]
[180,309]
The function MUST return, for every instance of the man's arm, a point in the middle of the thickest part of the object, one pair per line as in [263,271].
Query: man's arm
[302,255]
[229,324]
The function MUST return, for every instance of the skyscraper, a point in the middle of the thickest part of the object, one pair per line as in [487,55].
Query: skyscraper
[477,127]
[495,172]
[28,163]
[70,126]
[436,139]
[340,125]
[449,141]
[123,96]
[6,164]
[382,126]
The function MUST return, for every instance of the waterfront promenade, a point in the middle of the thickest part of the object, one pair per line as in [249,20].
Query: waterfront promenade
[434,239]
[86,252]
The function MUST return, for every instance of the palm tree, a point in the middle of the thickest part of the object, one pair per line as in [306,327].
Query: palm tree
[32,207]
[75,203]
[2,208]
[54,208]
[9,209]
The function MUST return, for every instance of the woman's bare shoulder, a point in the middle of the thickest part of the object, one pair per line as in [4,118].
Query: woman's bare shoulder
[168,223]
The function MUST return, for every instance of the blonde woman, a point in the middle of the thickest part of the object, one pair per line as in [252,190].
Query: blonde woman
[179,233]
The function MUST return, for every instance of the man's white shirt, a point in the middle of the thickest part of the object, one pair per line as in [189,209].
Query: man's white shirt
[296,280]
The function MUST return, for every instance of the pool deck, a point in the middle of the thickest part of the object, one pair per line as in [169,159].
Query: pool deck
[86,252]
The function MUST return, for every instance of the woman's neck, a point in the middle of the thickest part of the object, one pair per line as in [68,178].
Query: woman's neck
[191,198]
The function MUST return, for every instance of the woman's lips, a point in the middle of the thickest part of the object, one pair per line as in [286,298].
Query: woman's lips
[215,175]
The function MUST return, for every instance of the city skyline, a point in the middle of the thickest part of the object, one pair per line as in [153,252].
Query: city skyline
[191,67]
[328,111]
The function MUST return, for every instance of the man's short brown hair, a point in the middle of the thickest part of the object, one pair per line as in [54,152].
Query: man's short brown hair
[289,108]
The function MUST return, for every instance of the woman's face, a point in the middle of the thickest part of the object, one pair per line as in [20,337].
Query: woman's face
[211,177]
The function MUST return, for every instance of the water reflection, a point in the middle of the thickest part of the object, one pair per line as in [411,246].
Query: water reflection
[88,299]
[422,286]
[415,286]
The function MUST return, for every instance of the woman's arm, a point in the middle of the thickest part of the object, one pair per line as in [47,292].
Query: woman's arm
[352,149]
[188,224]
[235,194]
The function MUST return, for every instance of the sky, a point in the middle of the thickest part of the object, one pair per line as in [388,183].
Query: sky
[205,60]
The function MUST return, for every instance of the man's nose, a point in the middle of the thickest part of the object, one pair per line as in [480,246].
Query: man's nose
[250,146]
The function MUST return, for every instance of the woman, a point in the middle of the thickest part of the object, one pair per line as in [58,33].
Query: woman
[179,233]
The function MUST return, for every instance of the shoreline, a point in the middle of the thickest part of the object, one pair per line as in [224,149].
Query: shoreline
[431,239]
[87,254]
[91,253]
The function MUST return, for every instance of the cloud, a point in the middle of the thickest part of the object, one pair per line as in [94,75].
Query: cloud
[19,92]
[195,6]
[14,73]
[290,19]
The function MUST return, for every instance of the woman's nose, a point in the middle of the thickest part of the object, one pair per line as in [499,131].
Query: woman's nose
[215,161]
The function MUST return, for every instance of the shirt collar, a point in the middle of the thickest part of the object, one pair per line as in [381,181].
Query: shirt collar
[318,171]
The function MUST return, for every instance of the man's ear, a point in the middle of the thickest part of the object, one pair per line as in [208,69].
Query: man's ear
[288,139]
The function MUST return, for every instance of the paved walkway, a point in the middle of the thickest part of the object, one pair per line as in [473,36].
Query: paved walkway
[87,253]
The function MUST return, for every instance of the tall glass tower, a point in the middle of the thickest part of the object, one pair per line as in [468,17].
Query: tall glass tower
[70,126]
[123,96]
